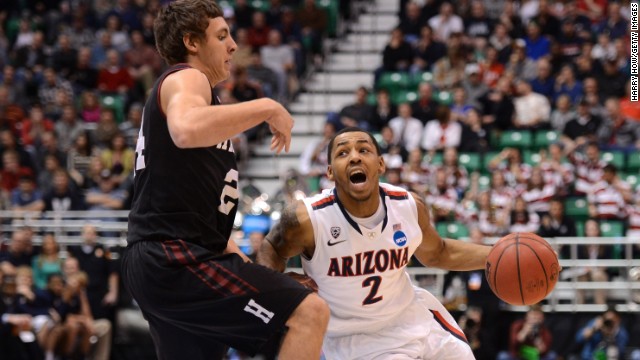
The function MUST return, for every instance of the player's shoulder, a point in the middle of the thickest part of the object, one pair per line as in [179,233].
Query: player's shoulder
[394,192]
[322,200]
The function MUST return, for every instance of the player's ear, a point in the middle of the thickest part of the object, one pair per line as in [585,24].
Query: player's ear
[382,167]
[189,42]
[330,172]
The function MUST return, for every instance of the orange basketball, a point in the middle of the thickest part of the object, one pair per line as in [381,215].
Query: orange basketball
[522,268]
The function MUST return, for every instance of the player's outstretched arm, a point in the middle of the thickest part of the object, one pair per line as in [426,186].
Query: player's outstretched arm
[185,98]
[448,254]
[292,236]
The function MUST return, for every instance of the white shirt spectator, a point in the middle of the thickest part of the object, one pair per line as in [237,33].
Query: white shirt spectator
[407,131]
[608,201]
[531,107]
[443,26]
[439,136]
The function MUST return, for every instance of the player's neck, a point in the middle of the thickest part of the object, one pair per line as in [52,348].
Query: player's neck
[360,208]
[195,63]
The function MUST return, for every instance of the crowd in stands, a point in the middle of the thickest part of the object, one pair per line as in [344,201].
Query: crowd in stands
[74,77]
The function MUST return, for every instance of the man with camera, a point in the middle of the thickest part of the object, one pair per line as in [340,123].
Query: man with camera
[603,337]
[529,338]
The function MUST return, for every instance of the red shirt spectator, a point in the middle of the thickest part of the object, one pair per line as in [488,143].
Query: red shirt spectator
[113,77]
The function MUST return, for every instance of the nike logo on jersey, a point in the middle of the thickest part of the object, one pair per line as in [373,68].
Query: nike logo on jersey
[335,243]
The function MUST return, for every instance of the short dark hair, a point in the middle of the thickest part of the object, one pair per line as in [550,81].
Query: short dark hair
[178,19]
[347,130]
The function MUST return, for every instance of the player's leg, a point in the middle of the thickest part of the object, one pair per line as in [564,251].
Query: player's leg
[307,326]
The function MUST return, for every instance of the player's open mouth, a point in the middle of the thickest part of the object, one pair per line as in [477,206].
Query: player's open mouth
[357,177]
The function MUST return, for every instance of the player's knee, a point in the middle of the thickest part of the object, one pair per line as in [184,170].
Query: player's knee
[312,311]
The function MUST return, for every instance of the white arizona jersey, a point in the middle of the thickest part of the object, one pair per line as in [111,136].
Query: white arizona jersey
[360,272]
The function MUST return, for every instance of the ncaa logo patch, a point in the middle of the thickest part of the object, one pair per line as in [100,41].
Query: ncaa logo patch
[335,232]
[399,238]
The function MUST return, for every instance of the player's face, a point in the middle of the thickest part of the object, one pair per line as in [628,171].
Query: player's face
[217,49]
[356,165]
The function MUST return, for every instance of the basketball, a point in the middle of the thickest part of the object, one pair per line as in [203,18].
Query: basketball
[522,268]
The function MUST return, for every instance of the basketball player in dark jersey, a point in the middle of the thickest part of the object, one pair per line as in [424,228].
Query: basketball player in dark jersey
[198,291]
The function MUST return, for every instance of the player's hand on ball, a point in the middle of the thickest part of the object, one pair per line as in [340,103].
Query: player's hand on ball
[304,280]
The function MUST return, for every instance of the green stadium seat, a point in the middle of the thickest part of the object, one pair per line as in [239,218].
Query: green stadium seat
[613,157]
[332,9]
[633,162]
[404,96]
[486,159]
[611,228]
[443,97]
[632,179]
[580,228]
[484,182]
[435,160]
[520,139]
[394,82]
[418,78]
[531,157]
[577,208]
[115,103]
[470,161]
[543,138]
[453,230]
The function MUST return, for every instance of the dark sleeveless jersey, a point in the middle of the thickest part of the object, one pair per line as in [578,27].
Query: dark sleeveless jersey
[188,194]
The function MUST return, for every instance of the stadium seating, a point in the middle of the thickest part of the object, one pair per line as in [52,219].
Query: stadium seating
[470,161]
[453,230]
[576,208]
[522,139]
[613,157]
[542,139]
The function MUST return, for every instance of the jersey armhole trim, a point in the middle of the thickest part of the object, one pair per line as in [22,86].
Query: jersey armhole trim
[175,68]
[312,219]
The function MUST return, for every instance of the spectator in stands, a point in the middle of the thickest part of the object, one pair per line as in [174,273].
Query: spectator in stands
[130,128]
[259,30]
[398,53]
[613,24]
[474,136]
[48,90]
[442,198]
[569,41]
[538,192]
[424,108]
[68,128]
[522,66]
[523,219]
[18,94]
[360,113]
[612,81]
[79,34]
[557,224]
[114,78]
[19,252]
[242,56]
[477,23]
[264,75]
[244,89]
[460,105]
[515,172]
[107,195]
[603,337]
[279,58]
[384,110]
[593,273]
[107,128]
[537,45]
[11,171]
[442,132]
[90,108]
[8,142]
[119,37]
[427,51]
[562,113]
[142,61]
[608,197]
[46,145]
[497,106]
[412,23]
[243,14]
[63,196]
[589,168]
[446,23]
[617,132]
[474,326]
[448,72]
[77,316]
[491,67]
[584,126]
[407,129]
[492,220]
[567,84]
[64,59]
[473,85]
[530,338]
[100,49]
[79,159]
[415,173]
[457,175]
[47,263]
[604,48]
[11,323]
[393,153]
[313,160]
[556,169]
[532,110]
[33,56]
[313,21]
[629,109]
[543,83]
[32,127]
[26,196]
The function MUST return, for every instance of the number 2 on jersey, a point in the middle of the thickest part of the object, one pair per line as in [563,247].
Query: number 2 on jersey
[230,191]
[140,164]
[374,282]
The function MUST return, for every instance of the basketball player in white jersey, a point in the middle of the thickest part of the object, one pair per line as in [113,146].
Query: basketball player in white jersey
[355,241]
